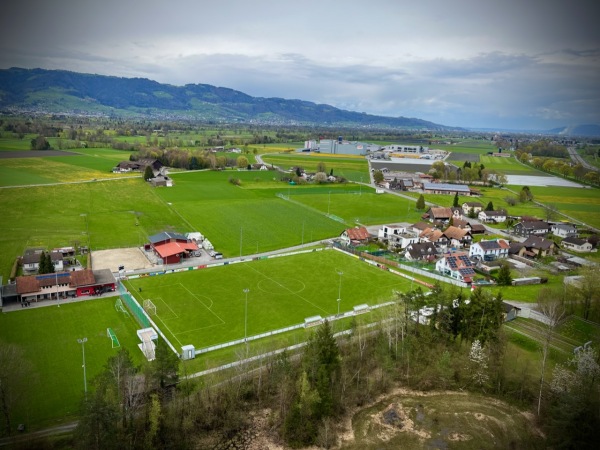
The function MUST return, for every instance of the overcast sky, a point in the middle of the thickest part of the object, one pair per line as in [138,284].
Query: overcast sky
[520,64]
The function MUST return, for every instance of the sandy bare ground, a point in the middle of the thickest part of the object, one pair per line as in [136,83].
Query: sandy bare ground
[132,258]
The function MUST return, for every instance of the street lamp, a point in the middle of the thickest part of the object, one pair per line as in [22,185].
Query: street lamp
[82,342]
[339,299]
[246,317]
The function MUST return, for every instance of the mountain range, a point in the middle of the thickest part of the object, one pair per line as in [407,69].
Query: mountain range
[59,91]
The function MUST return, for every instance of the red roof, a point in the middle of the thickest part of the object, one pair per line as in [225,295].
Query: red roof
[357,234]
[174,248]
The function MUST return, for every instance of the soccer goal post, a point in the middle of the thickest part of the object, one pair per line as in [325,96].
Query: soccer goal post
[150,307]
[113,337]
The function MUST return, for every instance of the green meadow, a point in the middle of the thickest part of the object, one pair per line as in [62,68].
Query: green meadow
[353,168]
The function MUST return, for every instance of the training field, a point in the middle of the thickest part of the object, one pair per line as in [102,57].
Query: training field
[207,307]
[48,338]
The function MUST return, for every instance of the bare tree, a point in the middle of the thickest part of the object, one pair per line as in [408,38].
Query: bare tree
[554,311]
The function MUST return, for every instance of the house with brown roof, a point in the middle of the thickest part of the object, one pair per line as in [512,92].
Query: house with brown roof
[539,246]
[532,228]
[458,237]
[54,286]
[355,236]
[439,214]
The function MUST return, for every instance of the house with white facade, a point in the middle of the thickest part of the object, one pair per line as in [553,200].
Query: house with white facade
[492,216]
[457,266]
[467,207]
[576,245]
[489,250]
[564,230]
[397,235]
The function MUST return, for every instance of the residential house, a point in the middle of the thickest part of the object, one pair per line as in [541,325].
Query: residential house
[564,230]
[576,244]
[436,237]
[458,237]
[419,227]
[539,246]
[489,250]
[439,214]
[397,235]
[457,266]
[31,260]
[477,228]
[467,207]
[421,251]
[517,249]
[355,236]
[492,216]
[531,228]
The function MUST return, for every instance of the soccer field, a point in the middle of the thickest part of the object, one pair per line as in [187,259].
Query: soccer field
[208,307]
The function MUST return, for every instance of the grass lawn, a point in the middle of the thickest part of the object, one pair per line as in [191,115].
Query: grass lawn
[207,307]
[48,337]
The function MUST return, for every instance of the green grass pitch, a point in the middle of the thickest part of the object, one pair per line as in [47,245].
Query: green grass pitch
[48,336]
[207,307]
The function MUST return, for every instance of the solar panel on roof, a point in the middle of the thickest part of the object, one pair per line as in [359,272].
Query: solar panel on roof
[52,275]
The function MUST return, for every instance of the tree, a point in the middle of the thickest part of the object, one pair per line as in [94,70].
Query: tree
[165,366]
[554,312]
[490,206]
[378,176]
[148,173]
[525,195]
[551,211]
[321,177]
[455,202]
[478,363]
[504,278]
[420,203]
[242,162]
[321,167]
[40,143]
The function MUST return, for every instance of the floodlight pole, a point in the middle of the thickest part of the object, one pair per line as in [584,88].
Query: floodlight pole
[56,276]
[339,299]
[329,203]
[82,342]
[246,290]
[241,230]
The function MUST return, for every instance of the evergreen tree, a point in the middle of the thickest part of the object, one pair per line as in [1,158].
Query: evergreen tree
[504,278]
[455,202]
[148,173]
[165,365]
[421,203]
[489,207]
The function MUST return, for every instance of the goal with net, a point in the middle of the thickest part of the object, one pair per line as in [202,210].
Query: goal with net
[113,337]
[149,307]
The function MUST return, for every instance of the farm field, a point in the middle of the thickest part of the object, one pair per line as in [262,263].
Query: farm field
[207,307]
[88,164]
[48,337]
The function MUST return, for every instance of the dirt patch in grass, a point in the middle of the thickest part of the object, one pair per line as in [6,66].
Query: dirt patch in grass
[132,258]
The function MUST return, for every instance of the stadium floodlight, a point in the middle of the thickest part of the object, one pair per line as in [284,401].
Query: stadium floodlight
[339,299]
[82,341]
[246,290]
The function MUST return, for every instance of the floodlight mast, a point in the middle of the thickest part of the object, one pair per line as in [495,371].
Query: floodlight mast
[246,290]
[82,341]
